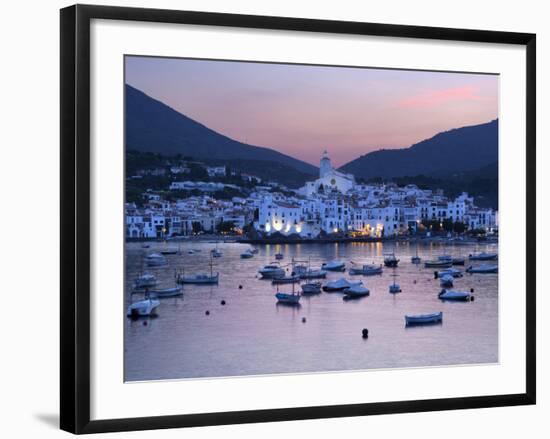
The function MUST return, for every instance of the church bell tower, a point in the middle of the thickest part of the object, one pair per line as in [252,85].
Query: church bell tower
[325,168]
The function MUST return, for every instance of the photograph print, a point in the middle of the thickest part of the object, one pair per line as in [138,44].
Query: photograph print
[293,218]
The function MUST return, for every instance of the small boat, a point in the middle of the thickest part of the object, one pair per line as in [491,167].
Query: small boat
[483,256]
[279,256]
[334,266]
[306,272]
[482,269]
[155,260]
[390,260]
[200,278]
[394,287]
[170,251]
[356,291]
[449,271]
[143,308]
[286,279]
[166,292]
[312,274]
[191,252]
[216,253]
[247,254]
[146,280]
[311,288]
[453,261]
[271,270]
[289,298]
[438,264]
[446,280]
[421,319]
[339,285]
[254,250]
[454,295]
[146,246]
[366,270]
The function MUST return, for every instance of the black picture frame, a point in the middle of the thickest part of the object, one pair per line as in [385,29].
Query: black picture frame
[75,218]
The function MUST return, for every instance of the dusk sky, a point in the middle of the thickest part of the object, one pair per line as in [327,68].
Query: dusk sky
[302,110]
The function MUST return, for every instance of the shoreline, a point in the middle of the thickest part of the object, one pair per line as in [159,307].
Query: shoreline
[326,240]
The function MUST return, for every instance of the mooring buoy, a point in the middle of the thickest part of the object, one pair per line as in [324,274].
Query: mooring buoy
[365,333]
[303,319]
[223,302]
[207,313]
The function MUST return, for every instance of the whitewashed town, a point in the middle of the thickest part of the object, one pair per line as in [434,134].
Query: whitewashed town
[332,205]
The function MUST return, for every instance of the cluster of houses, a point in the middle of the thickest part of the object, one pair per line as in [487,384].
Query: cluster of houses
[332,204]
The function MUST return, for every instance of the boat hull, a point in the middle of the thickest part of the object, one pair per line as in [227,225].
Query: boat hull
[285,280]
[143,308]
[423,319]
[291,299]
[459,296]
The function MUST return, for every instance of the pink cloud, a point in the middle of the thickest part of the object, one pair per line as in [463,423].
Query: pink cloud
[439,97]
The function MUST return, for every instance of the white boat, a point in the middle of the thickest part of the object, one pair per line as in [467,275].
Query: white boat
[420,319]
[279,256]
[247,254]
[146,246]
[271,270]
[306,272]
[356,291]
[199,278]
[166,292]
[482,269]
[390,260]
[339,285]
[366,270]
[254,250]
[446,280]
[155,260]
[143,308]
[311,288]
[438,264]
[334,266]
[454,295]
[216,253]
[146,280]
[454,272]
[292,279]
[483,256]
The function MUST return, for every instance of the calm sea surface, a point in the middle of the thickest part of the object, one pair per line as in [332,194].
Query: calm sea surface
[253,335]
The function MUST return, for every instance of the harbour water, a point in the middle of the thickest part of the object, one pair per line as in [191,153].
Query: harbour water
[253,335]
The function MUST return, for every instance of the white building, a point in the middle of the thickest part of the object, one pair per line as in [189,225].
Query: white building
[330,180]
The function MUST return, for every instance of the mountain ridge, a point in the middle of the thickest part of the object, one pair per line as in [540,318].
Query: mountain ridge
[153,126]
[457,150]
